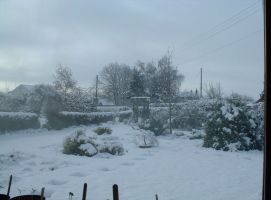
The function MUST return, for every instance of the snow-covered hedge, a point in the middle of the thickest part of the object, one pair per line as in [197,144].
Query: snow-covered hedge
[186,116]
[11,121]
[191,114]
[233,125]
[112,108]
[65,119]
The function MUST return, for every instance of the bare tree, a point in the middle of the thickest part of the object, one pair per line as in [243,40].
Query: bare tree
[213,91]
[169,82]
[116,80]
[63,80]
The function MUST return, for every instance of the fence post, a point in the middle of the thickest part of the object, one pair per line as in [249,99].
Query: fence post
[9,184]
[156,197]
[84,192]
[115,192]
[42,193]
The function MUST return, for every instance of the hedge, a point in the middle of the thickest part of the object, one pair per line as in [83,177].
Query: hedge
[12,121]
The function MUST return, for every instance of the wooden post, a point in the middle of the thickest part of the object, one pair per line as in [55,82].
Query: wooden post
[42,193]
[115,192]
[156,197]
[200,82]
[84,192]
[9,184]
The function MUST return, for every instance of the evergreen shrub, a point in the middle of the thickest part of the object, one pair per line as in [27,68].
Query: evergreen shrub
[231,126]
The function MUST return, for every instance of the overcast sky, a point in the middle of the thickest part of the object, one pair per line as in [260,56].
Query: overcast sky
[37,35]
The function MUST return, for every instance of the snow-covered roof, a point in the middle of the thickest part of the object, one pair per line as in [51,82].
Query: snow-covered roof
[22,90]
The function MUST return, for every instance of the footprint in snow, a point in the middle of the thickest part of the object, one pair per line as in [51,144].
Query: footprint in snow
[31,163]
[139,158]
[47,162]
[77,174]
[127,163]
[105,169]
[57,182]
[27,169]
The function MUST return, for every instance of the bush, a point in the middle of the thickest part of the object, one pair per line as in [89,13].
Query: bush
[79,144]
[257,122]
[197,134]
[157,122]
[111,147]
[103,130]
[146,139]
[11,121]
[230,126]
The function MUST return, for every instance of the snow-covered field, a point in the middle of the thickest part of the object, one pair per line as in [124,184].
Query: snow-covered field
[177,169]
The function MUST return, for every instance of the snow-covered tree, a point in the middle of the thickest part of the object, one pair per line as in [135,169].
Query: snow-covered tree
[79,100]
[213,91]
[169,82]
[137,84]
[116,80]
[63,80]
[150,75]
[169,79]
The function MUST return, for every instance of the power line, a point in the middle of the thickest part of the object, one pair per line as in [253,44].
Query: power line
[221,47]
[224,25]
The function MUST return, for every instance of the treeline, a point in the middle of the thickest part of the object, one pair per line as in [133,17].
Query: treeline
[161,81]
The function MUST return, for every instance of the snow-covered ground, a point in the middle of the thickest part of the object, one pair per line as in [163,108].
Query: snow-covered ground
[177,169]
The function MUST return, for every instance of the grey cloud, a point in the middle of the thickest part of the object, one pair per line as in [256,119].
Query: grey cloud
[37,35]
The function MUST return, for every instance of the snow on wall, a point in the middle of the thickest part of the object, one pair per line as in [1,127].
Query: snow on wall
[95,114]
[18,115]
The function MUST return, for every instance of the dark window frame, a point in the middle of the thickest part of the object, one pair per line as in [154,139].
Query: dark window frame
[267,90]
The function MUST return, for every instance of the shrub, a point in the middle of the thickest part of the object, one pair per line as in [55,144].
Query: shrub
[157,122]
[111,147]
[103,130]
[79,144]
[11,121]
[257,122]
[197,134]
[146,139]
[230,126]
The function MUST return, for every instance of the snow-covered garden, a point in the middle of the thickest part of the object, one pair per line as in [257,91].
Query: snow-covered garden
[178,168]
[59,137]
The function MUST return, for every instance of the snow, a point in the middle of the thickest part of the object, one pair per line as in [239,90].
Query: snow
[93,114]
[226,130]
[20,115]
[146,139]
[89,148]
[112,108]
[178,168]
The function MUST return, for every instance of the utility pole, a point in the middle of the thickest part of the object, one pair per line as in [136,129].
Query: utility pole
[201,82]
[96,90]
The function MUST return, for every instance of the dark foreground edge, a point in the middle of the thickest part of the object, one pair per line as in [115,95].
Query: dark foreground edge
[267,91]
